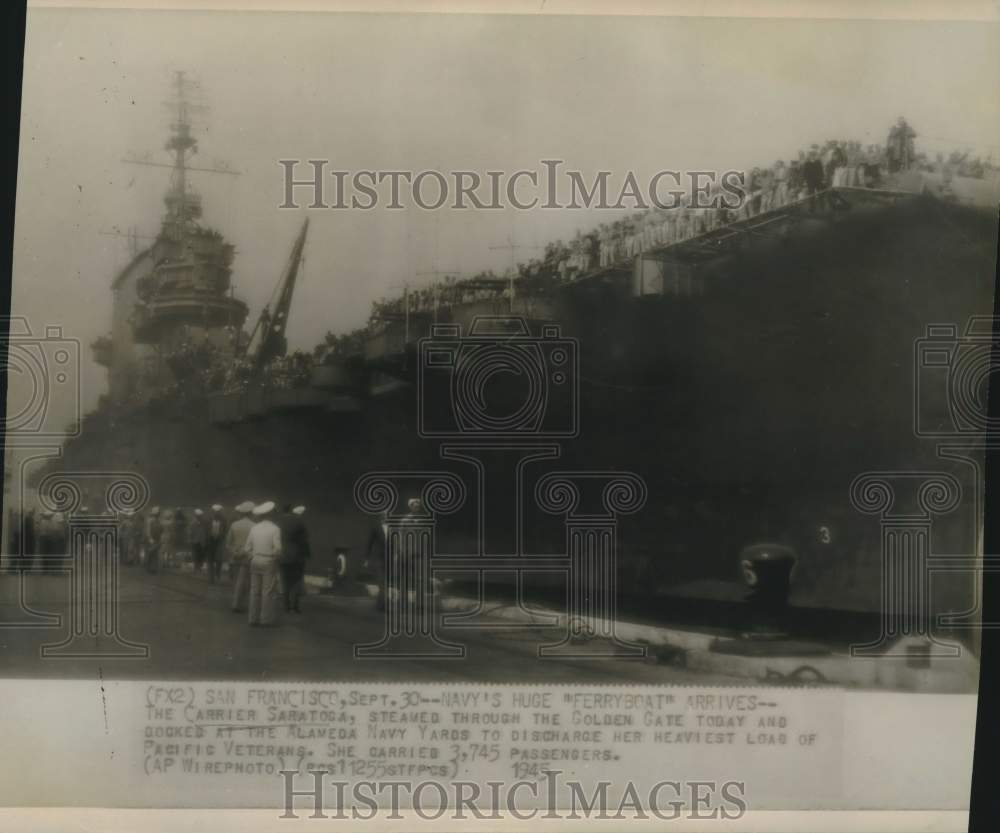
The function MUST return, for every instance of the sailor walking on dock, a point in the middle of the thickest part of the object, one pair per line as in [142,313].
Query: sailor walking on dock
[215,535]
[196,539]
[51,537]
[239,564]
[295,551]
[126,537]
[154,536]
[263,548]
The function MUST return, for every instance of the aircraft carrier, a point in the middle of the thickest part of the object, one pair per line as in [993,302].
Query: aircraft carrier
[748,374]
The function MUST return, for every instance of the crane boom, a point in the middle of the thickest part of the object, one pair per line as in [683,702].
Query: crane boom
[269,331]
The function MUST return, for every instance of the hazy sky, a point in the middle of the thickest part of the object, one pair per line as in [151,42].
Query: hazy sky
[413,92]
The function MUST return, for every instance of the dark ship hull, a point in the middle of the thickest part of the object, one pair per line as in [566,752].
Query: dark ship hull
[748,408]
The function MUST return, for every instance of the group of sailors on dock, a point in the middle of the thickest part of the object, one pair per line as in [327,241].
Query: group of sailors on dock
[264,552]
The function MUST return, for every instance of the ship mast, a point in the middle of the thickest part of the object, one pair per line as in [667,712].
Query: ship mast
[183,206]
[512,247]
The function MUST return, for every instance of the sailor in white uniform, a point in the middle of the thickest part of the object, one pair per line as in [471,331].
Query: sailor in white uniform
[263,549]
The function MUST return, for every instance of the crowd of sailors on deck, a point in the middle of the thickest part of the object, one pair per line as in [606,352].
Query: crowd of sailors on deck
[450,291]
[200,367]
[263,552]
[834,164]
[282,372]
[837,164]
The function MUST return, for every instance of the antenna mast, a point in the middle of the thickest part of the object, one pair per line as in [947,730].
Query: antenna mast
[183,204]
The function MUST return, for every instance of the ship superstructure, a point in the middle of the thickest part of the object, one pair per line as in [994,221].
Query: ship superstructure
[174,302]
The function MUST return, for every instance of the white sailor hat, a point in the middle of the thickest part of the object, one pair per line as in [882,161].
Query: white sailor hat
[263,508]
[198,512]
[216,507]
[245,508]
[299,510]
